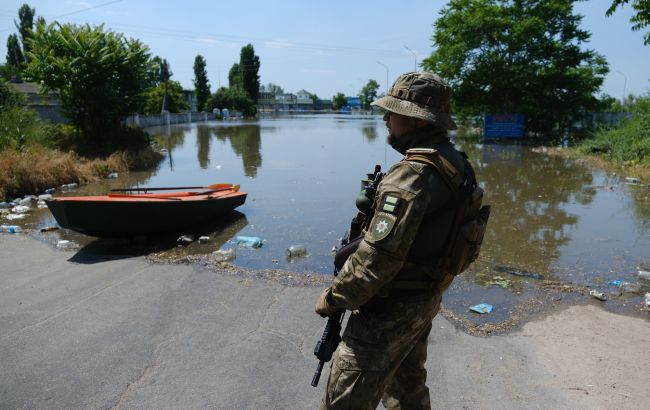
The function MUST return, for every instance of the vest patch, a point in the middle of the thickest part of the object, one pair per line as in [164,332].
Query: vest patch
[391,204]
[381,226]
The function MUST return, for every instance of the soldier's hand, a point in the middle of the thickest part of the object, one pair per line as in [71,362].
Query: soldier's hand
[324,304]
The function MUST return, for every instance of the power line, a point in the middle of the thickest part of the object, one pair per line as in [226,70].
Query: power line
[77,11]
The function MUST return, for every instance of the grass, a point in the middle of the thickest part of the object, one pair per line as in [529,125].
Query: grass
[34,170]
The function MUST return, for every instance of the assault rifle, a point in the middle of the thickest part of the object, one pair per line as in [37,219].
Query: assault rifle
[327,344]
[331,337]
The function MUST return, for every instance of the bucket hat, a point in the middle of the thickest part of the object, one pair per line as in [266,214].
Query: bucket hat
[420,94]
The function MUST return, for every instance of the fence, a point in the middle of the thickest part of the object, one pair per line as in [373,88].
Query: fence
[167,119]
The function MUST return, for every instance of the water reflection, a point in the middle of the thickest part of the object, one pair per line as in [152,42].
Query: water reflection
[203,135]
[529,193]
[370,132]
[246,141]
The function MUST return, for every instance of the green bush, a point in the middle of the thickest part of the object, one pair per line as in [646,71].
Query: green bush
[628,143]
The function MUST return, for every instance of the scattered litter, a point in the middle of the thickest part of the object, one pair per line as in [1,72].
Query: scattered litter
[643,274]
[518,272]
[112,175]
[64,243]
[598,295]
[10,228]
[20,209]
[68,187]
[249,241]
[481,308]
[163,150]
[49,228]
[50,190]
[44,197]
[4,205]
[224,255]
[616,283]
[185,239]
[500,281]
[647,300]
[204,239]
[275,261]
[296,250]
[12,217]
[333,250]
[27,201]
[41,204]
[631,287]
[632,180]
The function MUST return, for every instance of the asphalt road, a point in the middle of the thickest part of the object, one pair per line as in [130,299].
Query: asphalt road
[128,334]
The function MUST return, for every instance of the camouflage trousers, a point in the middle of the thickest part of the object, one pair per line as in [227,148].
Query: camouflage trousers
[382,356]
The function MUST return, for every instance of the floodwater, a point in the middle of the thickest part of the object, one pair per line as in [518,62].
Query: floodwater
[554,221]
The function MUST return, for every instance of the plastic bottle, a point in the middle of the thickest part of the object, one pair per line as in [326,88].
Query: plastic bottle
[643,274]
[296,250]
[11,228]
[224,255]
[249,241]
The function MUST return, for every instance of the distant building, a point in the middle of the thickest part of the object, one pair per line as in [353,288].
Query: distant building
[354,103]
[266,102]
[323,105]
[304,101]
[47,107]
[190,99]
[286,102]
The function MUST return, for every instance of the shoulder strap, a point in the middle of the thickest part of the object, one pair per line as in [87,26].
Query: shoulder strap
[447,171]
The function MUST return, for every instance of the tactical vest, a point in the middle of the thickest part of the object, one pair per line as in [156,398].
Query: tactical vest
[465,235]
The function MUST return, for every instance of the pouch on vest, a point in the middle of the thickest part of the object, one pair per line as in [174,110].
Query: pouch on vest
[471,217]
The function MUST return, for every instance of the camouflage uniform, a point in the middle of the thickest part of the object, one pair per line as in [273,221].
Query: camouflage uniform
[392,290]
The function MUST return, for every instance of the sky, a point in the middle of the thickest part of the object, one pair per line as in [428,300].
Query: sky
[323,47]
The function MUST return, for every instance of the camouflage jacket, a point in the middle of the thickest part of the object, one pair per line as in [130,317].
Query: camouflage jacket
[411,222]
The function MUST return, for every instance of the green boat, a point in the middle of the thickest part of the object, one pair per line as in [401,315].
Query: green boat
[125,214]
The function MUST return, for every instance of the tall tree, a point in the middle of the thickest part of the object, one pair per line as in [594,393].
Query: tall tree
[274,89]
[25,26]
[175,98]
[640,20]
[99,76]
[339,101]
[234,76]
[165,75]
[368,93]
[517,56]
[201,85]
[249,65]
[15,56]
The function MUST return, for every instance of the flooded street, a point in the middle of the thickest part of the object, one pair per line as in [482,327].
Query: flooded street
[555,222]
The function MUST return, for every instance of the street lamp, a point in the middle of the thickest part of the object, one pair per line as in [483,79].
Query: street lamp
[386,67]
[415,56]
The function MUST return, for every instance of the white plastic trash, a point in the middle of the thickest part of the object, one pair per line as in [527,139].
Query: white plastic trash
[20,209]
[64,243]
[643,274]
[204,239]
[12,217]
[44,197]
[224,255]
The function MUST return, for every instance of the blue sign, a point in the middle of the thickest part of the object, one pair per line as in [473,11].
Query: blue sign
[503,126]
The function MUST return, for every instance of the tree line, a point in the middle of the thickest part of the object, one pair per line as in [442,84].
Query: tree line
[499,56]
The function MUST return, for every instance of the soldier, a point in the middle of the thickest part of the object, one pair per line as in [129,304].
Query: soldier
[393,283]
